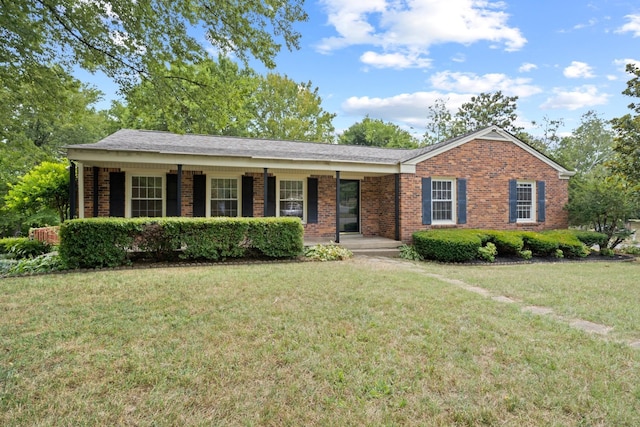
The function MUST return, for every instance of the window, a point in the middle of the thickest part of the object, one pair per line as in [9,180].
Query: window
[291,198]
[524,203]
[442,202]
[224,197]
[146,196]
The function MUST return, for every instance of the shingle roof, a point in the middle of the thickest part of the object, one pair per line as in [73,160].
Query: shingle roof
[225,146]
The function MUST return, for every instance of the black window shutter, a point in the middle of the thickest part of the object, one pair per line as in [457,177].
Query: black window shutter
[513,200]
[541,201]
[426,201]
[199,195]
[116,194]
[172,195]
[271,196]
[247,196]
[462,200]
[312,200]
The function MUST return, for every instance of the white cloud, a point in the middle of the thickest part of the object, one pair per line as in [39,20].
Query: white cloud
[394,60]
[526,67]
[577,70]
[580,97]
[633,26]
[409,108]
[622,63]
[473,83]
[414,26]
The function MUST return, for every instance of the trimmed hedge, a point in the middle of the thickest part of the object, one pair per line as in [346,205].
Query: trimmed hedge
[591,238]
[460,245]
[111,242]
[448,245]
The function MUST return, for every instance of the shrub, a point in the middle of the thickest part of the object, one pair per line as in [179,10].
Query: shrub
[591,238]
[525,254]
[40,264]
[23,247]
[631,250]
[109,242]
[488,252]
[447,245]
[559,253]
[607,252]
[569,243]
[539,244]
[409,252]
[327,253]
[507,242]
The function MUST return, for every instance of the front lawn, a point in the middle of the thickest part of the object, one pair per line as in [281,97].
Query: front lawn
[341,343]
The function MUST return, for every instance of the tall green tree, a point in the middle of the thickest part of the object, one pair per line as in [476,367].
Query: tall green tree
[285,109]
[484,110]
[626,147]
[213,100]
[590,145]
[377,133]
[132,41]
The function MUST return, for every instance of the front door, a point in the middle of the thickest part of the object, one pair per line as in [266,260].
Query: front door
[349,206]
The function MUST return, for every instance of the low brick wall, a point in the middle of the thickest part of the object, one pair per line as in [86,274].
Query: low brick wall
[45,234]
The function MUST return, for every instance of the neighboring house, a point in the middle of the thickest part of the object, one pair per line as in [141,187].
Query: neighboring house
[485,179]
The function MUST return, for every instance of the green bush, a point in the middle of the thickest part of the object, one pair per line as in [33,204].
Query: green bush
[447,245]
[23,247]
[488,252]
[110,242]
[591,238]
[409,252]
[539,244]
[327,253]
[525,254]
[507,242]
[40,264]
[569,243]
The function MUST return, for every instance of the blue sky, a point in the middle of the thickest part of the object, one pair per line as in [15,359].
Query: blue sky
[391,59]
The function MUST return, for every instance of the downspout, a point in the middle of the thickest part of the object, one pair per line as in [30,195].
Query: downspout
[337,207]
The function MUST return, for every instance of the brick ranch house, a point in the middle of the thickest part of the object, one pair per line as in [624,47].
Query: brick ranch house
[485,179]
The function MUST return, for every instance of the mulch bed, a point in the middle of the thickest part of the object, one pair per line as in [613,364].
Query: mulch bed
[592,257]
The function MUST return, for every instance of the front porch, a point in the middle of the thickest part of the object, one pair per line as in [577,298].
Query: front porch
[361,245]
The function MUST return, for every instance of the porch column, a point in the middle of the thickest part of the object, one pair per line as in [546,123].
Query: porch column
[179,192]
[337,207]
[397,203]
[96,188]
[72,190]
[80,186]
[266,192]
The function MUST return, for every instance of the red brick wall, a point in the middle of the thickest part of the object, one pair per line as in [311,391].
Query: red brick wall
[488,166]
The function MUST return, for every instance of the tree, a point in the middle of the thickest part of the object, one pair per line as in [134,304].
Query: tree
[486,109]
[217,105]
[288,110]
[133,40]
[626,147]
[549,140]
[44,187]
[604,203]
[588,146]
[376,133]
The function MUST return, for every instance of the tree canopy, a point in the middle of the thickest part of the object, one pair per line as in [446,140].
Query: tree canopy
[132,40]
[377,133]
[626,147]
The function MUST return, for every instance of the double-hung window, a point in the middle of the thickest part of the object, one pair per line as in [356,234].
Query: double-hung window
[442,200]
[525,196]
[146,196]
[224,197]
[291,198]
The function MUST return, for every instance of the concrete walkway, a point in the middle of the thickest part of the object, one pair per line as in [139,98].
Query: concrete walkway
[596,329]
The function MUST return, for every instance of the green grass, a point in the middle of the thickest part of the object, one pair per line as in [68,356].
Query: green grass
[602,292]
[343,343]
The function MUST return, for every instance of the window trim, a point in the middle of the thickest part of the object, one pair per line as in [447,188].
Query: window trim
[534,203]
[129,190]
[305,202]
[454,201]
[238,179]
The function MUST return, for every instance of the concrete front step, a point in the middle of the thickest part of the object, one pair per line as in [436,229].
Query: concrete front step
[384,252]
